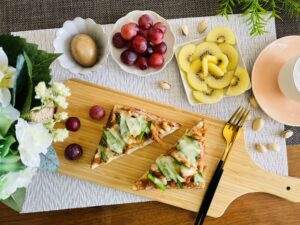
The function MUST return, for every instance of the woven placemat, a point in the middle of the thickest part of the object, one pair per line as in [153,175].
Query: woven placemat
[54,191]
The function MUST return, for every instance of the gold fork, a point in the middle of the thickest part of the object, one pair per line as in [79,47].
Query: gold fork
[231,133]
[232,129]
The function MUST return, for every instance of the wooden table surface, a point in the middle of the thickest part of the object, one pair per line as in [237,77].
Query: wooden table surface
[257,208]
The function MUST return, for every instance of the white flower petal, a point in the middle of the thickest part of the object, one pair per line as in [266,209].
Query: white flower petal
[10,111]
[11,181]
[3,58]
[28,158]
[33,139]
[5,97]
[40,90]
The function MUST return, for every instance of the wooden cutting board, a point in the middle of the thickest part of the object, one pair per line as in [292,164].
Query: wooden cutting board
[241,174]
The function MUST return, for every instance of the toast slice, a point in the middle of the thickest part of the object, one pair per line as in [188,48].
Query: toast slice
[182,166]
[129,129]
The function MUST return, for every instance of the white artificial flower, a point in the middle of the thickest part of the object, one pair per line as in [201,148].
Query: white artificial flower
[61,116]
[11,112]
[61,89]
[61,102]
[33,139]
[49,124]
[11,181]
[7,76]
[5,97]
[40,90]
[60,135]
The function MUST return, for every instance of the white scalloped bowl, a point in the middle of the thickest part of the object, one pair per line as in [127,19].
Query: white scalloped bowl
[169,39]
[63,39]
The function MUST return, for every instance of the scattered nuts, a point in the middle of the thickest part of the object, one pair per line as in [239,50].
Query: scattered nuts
[184,30]
[258,124]
[273,147]
[253,102]
[286,134]
[164,85]
[202,26]
[261,148]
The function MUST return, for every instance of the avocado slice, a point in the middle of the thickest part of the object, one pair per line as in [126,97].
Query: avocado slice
[136,125]
[190,148]
[114,140]
[123,126]
[170,169]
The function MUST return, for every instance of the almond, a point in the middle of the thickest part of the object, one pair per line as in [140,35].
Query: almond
[273,147]
[202,26]
[258,124]
[287,134]
[164,85]
[184,30]
[261,148]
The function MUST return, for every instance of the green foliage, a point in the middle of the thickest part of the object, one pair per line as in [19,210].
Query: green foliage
[16,200]
[257,11]
[29,94]
[29,74]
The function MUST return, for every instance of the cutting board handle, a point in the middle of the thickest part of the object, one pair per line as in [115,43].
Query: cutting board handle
[282,186]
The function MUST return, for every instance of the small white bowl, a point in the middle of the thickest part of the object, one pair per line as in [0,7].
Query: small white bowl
[169,39]
[63,39]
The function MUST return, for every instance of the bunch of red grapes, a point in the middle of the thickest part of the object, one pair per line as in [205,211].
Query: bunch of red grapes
[144,43]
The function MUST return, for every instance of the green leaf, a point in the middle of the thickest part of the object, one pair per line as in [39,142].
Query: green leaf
[5,144]
[5,123]
[27,103]
[10,159]
[16,200]
[40,63]
[19,79]
[11,167]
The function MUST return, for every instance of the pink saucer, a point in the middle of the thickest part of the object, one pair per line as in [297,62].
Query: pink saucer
[265,85]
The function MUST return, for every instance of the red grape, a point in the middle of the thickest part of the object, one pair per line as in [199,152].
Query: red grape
[118,41]
[139,44]
[156,60]
[148,51]
[144,33]
[97,112]
[142,63]
[73,152]
[128,57]
[161,26]
[160,48]
[155,36]
[73,124]
[145,21]
[129,30]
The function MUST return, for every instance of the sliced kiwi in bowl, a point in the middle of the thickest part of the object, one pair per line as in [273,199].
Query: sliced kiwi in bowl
[208,97]
[195,76]
[221,34]
[239,83]
[219,82]
[206,48]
